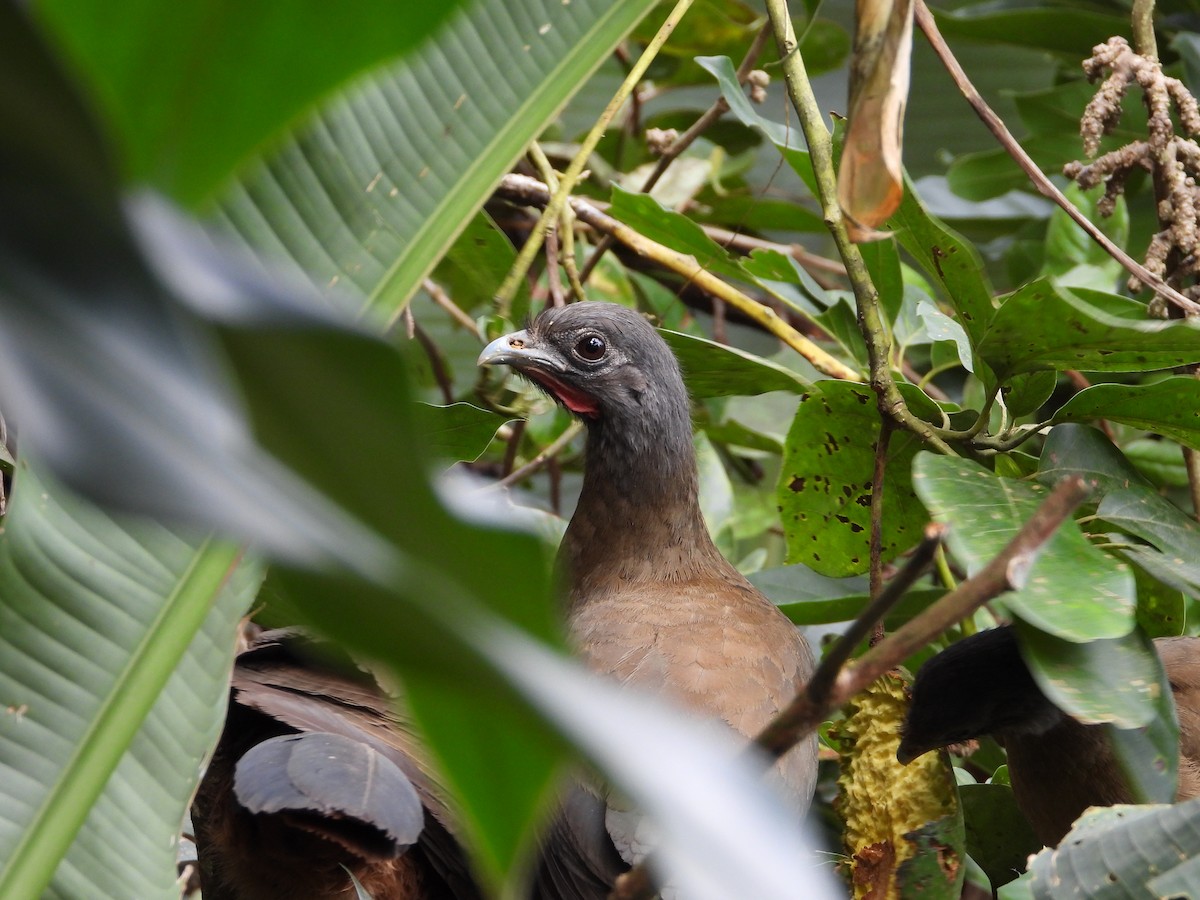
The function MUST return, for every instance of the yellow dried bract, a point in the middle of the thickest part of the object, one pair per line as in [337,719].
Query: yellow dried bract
[903,827]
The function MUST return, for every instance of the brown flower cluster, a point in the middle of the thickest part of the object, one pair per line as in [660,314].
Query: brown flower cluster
[1172,159]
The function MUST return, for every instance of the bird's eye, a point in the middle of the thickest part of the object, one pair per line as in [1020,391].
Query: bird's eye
[591,347]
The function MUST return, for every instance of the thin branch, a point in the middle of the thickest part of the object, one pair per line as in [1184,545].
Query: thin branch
[437,362]
[442,299]
[1038,178]
[820,148]
[685,140]
[530,191]
[881,604]
[514,444]
[508,289]
[1006,571]
[876,549]
[550,451]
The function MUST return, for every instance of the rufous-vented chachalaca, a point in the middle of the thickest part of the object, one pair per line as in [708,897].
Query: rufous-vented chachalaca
[651,602]
[1058,766]
[316,776]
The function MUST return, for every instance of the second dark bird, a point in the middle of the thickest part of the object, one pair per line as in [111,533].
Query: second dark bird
[1058,766]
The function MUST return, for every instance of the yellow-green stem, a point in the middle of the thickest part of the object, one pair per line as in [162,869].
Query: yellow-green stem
[820,148]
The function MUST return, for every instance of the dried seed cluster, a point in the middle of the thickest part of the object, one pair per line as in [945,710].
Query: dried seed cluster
[1172,159]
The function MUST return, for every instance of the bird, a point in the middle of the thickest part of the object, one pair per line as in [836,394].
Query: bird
[318,776]
[1058,766]
[648,601]
[651,602]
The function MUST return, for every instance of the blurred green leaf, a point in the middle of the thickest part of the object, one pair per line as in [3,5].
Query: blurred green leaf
[115,639]
[234,74]
[1070,29]
[999,838]
[1071,590]
[1159,461]
[809,598]
[1072,257]
[476,263]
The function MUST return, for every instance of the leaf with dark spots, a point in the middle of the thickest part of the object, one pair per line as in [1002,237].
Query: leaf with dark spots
[835,512]
[1041,326]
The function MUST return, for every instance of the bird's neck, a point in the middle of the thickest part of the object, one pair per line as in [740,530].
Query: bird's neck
[638,517]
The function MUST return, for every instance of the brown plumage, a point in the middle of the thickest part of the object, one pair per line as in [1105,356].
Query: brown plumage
[265,831]
[651,602]
[1058,766]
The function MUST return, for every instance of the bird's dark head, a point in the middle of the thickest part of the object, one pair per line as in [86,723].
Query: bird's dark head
[977,686]
[602,361]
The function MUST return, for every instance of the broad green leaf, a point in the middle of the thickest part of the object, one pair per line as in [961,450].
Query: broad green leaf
[1025,394]
[459,431]
[115,639]
[1108,680]
[1040,326]
[882,259]
[1161,609]
[1170,407]
[370,192]
[948,260]
[645,215]
[757,214]
[1084,451]
[825,483]
[984,174]
[1071,590]
[1128,502]
[190,90]
[1154,519]
[718,370]
[940,327]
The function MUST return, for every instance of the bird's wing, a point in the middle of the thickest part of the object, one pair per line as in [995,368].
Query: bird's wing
[280,677]
[578,860]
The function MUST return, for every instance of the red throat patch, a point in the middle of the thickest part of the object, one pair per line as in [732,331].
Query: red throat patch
[575,400]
